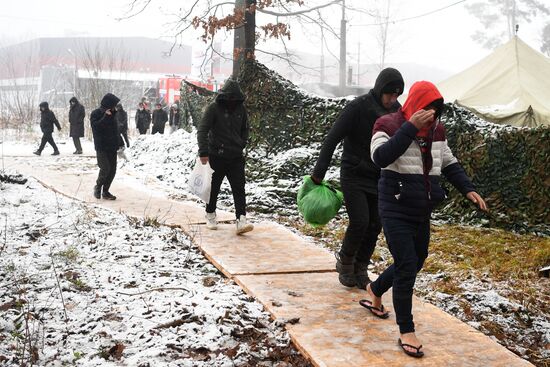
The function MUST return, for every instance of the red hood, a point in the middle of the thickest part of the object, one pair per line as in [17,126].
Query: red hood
[420,95]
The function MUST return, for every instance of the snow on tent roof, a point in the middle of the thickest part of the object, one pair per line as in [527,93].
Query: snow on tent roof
[510,86]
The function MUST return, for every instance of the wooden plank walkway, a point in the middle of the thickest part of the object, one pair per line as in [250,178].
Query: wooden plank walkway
[292,278]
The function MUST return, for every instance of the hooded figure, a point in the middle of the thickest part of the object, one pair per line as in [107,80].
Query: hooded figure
[47,122]
[122,123]
[358,174]
[76,122]
[222,136]
[410,147]
[106,142]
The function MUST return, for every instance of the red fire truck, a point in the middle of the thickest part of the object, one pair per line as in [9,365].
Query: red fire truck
[169,87]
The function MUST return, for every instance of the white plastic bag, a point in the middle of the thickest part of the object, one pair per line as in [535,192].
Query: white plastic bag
[200,180]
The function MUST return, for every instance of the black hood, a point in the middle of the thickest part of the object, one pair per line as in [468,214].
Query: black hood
[231,91]
[73,99]
[109,101]
[387,76]
[44,105]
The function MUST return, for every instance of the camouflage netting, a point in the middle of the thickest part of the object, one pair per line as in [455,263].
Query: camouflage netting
[509,166]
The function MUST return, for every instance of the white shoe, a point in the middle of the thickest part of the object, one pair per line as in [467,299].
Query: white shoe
[243,226]
[211,222]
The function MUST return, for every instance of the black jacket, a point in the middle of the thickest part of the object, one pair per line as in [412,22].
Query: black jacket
[47,119]
[122,121]
[104,127]
[223,130]
[76,119]
[159,117]
[354,126]
[143,119]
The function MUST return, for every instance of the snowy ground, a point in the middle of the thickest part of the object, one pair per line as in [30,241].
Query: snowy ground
[83,285]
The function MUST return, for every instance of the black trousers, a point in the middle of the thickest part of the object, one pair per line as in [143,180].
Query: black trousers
[408,243]
[125,137]
[158,128]
[364,223]
[106,162]
[77,145]
[47,138]
[233,169]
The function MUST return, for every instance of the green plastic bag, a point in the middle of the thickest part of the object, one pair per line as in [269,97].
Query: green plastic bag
[318,204]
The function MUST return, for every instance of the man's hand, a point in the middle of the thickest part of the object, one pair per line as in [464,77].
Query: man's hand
[315,180]
[422,118]
[204,160]
[476,199]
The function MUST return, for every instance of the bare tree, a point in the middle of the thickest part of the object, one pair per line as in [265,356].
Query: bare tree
[500,18]
[18,94]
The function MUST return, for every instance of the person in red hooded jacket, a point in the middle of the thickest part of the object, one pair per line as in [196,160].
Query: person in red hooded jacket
[412,151]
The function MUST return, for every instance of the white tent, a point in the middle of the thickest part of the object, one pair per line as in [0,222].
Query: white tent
[510,86]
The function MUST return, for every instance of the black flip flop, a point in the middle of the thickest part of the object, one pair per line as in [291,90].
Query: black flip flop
[368,305]
[417,354]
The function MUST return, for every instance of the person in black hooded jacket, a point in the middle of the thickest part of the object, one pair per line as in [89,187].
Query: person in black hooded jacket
[76,122]
[122,121]
[47,121]
[358,174]
[222,136]
[106,142]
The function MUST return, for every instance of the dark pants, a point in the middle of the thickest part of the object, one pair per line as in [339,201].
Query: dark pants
[408,243]
[142,130]
[125,137]
[77,145]
[364,224]
[106,162]
[159,128]
[47,138]
[233,169]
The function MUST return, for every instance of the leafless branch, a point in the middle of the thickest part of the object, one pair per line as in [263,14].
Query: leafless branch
[298,12]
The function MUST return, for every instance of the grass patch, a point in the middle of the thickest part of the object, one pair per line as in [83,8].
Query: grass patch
[71,254]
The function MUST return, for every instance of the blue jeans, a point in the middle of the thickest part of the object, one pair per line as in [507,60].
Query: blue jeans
[408,243]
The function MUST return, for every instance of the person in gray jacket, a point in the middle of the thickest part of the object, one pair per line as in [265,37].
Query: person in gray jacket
[222,136]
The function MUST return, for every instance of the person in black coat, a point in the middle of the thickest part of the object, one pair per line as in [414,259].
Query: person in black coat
[174,118]
[106,142]
[143,119]
[358,174]
[160,117]
[47,121]
[222,136]
[122,123]
[76,122]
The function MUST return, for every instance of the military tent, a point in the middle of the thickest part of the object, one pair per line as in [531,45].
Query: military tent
[510,86]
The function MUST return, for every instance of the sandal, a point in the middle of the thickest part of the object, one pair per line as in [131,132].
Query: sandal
[417,354]
[368,305]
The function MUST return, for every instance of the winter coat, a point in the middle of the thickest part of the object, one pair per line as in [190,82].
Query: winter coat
[354,126]
[104,127]
[122,121]
[47,119]
[223,130]
[409,187]
[143,119]
[76,119]
[159,117]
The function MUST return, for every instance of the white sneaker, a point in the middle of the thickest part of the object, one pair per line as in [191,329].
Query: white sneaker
[211,222]
[243,226]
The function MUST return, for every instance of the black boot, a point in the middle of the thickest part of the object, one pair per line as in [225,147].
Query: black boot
[37,152]
[108,196]
[345,269]
[97,192]
[361,274]
[56,152]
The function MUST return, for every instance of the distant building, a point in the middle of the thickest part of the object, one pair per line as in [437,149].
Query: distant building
[55,69]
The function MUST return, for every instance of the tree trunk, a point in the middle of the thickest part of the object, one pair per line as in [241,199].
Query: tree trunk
[244,41]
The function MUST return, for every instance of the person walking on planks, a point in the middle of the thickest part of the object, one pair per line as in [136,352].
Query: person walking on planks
[358,174]
[411,148]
